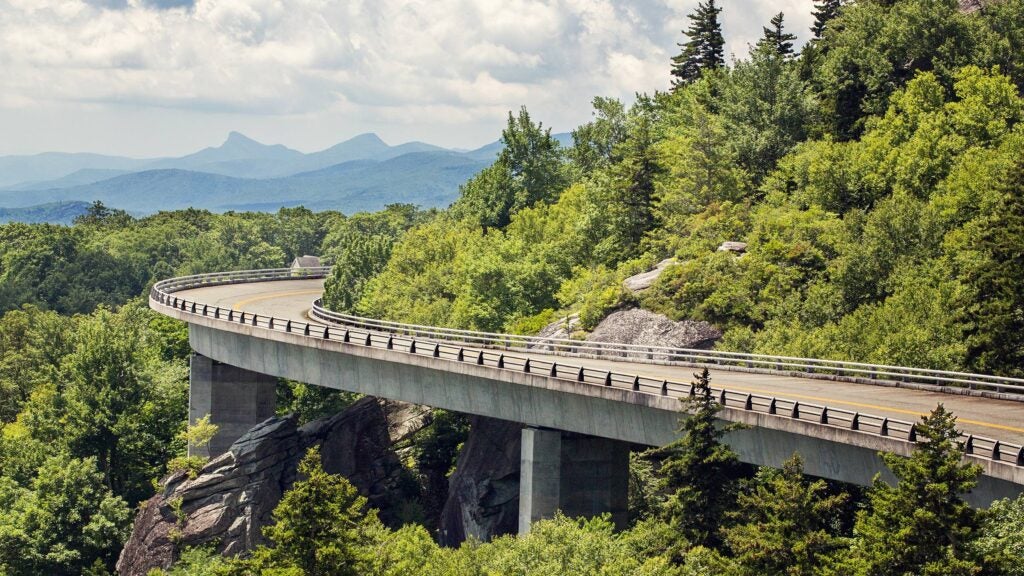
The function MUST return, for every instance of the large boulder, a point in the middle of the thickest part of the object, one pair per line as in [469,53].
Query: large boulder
[483,492]
[646,328]
[231,500]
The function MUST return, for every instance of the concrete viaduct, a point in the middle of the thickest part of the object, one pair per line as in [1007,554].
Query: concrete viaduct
[585,405]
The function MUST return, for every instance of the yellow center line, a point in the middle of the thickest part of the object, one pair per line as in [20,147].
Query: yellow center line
[238,305]
[828,401]
[832,401]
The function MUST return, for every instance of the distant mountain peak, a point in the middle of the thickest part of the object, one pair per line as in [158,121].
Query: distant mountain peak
[239,140]
[367,138]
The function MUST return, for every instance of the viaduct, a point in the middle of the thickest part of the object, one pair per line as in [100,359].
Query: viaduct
[585,405]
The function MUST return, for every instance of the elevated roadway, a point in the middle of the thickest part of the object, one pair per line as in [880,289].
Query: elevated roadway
[1001,419]
[265,323]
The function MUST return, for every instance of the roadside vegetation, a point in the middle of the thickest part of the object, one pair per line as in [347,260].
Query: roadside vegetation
[877,178]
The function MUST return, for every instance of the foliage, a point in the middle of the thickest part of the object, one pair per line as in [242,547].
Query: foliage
[922,525]
[704,49]
[62,523]
[194,562]
[528,170]
[775,39]
[700,473]
[999,543]
[196,437]
[784,524]
[319,529]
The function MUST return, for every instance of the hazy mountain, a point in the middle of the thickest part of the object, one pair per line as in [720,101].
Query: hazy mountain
[54,213]
[54,165]
[239,156]
[362,173]
[83,176]
[428,179]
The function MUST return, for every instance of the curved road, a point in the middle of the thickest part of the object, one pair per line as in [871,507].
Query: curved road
[999,419]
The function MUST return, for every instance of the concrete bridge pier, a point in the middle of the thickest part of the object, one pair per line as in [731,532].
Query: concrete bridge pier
[235,398]
[577,474]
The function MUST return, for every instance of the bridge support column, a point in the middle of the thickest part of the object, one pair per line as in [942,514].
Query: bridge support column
[236,400]
[579,475]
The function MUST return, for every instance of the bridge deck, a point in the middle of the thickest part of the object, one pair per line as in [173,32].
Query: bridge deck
[1000,419]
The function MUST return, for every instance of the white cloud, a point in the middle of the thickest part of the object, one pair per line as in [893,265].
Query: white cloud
[370,64]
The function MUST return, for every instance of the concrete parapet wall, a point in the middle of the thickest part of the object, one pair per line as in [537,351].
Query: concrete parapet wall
[540,401]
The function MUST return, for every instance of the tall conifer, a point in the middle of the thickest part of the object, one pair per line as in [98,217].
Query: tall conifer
[705,49]
[824,11]
[776,38]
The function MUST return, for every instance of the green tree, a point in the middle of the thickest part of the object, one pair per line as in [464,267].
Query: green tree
[321,526]
[996,314]
[824,12]
[529,169]
[776,39]
[704,49]
[784,524]
[766,109]
[594,143]
[700,473]
[122,404]
[999,543]
[633,179]
[922,525]
[62,523]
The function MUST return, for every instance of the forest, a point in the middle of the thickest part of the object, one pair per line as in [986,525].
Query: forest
[876,175]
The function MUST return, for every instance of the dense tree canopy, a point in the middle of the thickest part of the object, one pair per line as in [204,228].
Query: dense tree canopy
[874,174]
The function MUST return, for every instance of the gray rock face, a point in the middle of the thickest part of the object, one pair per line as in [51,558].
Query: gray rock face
[645,280]
[561,329]
[483,493]
[646,328]
[232,498]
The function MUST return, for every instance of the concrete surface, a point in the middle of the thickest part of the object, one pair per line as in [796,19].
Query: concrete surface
[236,400]
[613,413]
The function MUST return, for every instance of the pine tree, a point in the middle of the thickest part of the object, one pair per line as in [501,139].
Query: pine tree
[784,524]
[632,210]
[775,38]
[705,48]
[824,11]
[700,473]
[922,525]
[995,319]
[320,528]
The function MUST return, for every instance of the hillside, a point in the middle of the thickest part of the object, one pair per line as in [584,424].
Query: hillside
[428,179]
[362,173]
[52,213]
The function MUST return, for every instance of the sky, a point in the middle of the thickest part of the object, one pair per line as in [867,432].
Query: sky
[147,78]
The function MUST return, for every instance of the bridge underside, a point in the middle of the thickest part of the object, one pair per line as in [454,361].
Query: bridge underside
[550,405]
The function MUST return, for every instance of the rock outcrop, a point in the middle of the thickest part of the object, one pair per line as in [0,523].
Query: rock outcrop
[483,492]
[646,328]
[231,500]
[644,280]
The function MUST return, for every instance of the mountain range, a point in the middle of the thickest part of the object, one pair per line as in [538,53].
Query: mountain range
[362,173]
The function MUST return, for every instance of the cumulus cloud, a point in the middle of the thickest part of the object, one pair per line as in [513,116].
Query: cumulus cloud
[387,61]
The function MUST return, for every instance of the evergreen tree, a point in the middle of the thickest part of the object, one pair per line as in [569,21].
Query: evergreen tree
[633,179]
[824,12]
[922,525]
[529,169]
[705,48]
[700,473]
[321,528]
[995,319]
[776,39]
[784,524]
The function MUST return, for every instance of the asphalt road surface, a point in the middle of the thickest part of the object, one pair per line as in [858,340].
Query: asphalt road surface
[999,419]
